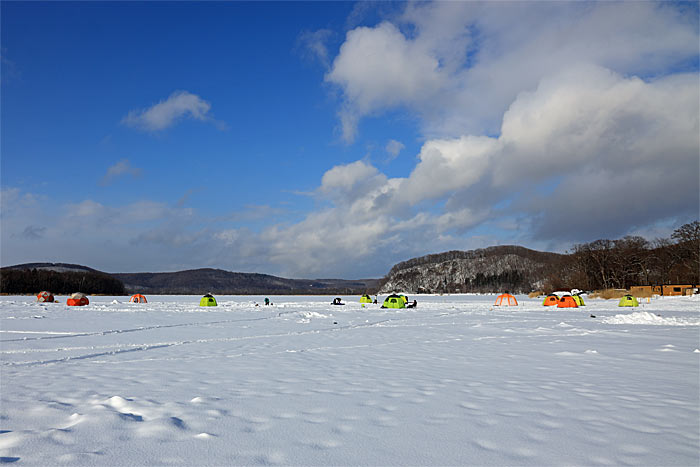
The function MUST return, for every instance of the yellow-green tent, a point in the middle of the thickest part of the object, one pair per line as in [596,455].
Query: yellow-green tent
[394,301]
[579,300]
[404,298]
[628,300]
[207,300]
[365,299]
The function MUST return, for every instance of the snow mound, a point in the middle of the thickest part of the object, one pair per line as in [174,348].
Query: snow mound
[644,317]
[311,314]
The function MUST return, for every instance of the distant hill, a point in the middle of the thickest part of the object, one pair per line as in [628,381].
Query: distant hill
[57,267]
[218,281]
[59,278]
[494,269]
[190,282]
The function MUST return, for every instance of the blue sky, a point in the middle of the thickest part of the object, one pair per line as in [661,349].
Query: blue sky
[319,139]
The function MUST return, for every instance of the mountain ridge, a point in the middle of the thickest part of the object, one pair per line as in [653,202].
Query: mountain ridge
[497,268]
[212,280]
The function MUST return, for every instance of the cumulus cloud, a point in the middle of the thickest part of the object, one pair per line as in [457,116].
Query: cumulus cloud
[464,63]
[531,112]
[588,153]
[380,68]
[123,167]
[164,114]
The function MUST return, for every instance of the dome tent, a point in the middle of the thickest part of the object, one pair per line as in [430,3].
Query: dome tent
[78,299]
[44,297]
[138,298]
[207,300]
[365,299]
[628,300]
[506,299]
[550,300]
[394,301]
[578,299]
[567,301]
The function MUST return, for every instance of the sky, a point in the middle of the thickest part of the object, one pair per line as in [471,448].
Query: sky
[334,139]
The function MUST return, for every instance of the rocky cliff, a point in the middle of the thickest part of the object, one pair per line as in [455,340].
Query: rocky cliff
[493,269]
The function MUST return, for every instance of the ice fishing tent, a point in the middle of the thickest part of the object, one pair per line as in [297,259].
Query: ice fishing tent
[567,301]
[394,301]
[78,299]
[365,299]
[404,298]
[138,298]
[44,297]
[506,299]
[578,299]
[550,300]
[207,300]
[628,300]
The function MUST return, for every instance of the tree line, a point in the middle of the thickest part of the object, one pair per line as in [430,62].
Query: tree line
[631,260]
[22,281]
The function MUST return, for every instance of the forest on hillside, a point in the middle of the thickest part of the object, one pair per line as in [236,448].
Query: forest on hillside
[22,281]
[631,260]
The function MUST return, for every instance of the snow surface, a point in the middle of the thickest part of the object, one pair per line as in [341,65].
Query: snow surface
[454,382]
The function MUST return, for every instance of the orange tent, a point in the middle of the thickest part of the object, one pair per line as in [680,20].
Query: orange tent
[567,301]
[44,297]
[138,298]
[77,299]
[551,300]
[506,299]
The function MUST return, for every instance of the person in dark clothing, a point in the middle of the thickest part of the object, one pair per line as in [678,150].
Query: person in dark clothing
[412,305]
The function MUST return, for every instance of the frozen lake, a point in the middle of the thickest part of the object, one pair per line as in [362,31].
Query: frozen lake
[455,381]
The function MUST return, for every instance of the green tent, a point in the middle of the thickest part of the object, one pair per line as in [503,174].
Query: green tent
[365,299]
[394,301]
[628,300]
[207,300]
[579,300]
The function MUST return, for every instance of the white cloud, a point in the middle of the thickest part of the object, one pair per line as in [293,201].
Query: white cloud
[617,152]
[393,148]
[464,63]
[123,167]
[164,114]
[379,68]
[315,44]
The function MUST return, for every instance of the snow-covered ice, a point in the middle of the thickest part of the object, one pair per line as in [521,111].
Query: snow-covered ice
[454,382]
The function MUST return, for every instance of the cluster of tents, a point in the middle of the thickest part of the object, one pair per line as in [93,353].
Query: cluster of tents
[77,299]
[564,301]
[80,299]
[575,300]
[567,300]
